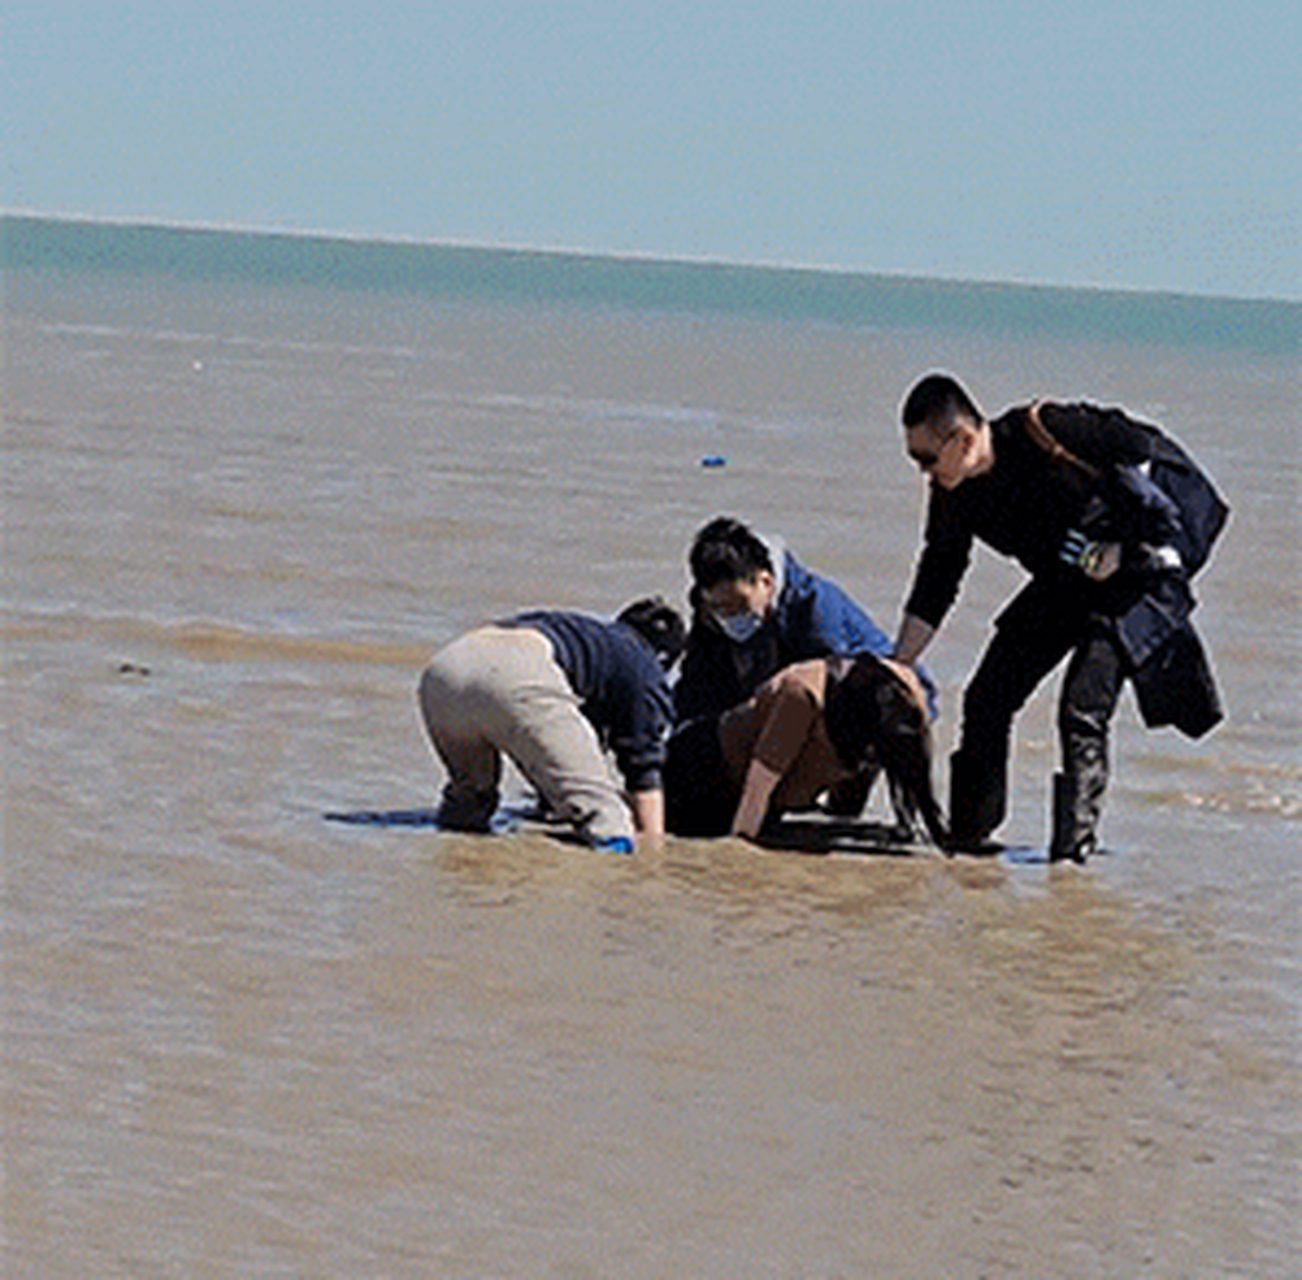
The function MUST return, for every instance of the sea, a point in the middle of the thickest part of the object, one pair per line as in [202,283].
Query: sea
[252,480]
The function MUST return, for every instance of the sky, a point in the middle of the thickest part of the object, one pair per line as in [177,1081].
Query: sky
[1137,144]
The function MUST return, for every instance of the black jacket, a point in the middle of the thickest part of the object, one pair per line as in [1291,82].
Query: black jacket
[1024,508]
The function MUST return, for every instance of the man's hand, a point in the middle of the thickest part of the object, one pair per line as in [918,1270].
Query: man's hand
[915,635]
[1098,561]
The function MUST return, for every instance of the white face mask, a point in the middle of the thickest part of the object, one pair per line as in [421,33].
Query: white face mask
[739,627]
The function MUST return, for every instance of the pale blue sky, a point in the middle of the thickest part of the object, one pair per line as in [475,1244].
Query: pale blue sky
[1147,144]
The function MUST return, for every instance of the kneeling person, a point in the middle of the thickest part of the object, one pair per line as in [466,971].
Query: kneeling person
[815,725]
[554,691]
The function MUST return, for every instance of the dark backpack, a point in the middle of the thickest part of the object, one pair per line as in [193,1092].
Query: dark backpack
[1203,512]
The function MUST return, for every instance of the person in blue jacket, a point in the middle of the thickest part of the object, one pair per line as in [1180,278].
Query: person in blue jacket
[756,610]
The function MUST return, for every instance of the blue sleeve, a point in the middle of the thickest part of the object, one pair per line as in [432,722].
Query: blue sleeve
[639,721]
[837,624]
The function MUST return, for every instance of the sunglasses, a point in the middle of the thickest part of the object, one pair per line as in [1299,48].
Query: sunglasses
[928,458]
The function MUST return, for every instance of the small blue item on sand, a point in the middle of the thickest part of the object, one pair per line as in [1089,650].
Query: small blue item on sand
[714,460]
[613,844]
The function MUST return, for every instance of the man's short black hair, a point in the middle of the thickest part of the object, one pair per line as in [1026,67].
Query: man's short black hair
[936,399]
[725,550]
[659,624]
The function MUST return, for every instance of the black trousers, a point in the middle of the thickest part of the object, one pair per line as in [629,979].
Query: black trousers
[1031,638]
[700,798]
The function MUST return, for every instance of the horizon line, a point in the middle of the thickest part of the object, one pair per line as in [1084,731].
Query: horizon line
[619,255]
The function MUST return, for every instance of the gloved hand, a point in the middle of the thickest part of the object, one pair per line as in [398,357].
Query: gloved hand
[1098,561]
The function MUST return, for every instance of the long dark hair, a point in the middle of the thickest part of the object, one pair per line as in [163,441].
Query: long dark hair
[873,716]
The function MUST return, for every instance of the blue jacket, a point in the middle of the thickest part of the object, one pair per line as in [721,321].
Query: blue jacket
[812,618]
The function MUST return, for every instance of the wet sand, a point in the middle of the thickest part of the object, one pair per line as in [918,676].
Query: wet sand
[243,1040]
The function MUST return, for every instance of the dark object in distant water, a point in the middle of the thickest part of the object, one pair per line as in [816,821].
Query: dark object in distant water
[714,460]
[133,669]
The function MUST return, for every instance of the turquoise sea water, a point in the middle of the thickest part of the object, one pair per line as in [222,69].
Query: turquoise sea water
[782,293]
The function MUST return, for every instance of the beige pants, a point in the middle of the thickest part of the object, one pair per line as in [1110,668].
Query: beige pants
[499,690]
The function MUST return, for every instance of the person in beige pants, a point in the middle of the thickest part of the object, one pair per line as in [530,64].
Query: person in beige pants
[558,693]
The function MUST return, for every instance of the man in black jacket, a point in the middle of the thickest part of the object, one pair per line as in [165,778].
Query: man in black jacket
[1065,490]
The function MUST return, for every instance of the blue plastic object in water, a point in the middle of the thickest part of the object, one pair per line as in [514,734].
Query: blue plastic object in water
[613,844]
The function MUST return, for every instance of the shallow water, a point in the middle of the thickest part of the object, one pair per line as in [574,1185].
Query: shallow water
[243,1040]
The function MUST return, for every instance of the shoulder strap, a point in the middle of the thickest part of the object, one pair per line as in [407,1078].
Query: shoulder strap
[1059,452]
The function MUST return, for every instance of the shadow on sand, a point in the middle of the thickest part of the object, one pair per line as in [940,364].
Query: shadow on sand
[811,835]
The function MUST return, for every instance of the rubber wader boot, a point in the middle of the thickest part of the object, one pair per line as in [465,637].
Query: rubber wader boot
[976,805]
[1075,818]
